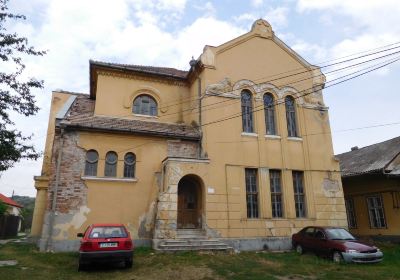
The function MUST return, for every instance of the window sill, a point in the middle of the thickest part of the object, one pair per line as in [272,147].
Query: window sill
[272,137]
[298,139]
[145,116]
[110,179]
[250,134]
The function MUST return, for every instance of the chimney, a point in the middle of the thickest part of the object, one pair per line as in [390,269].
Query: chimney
[354,148]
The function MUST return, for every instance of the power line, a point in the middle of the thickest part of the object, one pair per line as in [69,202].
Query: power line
[307,93]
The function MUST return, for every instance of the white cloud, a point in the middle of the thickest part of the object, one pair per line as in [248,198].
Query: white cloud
[208,8]
[277,17]
[257,3]
[75,31]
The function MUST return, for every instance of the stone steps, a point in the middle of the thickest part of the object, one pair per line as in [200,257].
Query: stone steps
[191,240]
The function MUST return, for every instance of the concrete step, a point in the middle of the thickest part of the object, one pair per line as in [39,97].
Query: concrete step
[172,245]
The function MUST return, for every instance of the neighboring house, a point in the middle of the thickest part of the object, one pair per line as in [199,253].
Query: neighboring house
[10,223]
[13,207]
[236,149]
[371,184]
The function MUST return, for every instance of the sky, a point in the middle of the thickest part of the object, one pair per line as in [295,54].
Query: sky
[170,32]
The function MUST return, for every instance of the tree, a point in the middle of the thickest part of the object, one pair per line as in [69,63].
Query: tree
[3,208]
[15,92]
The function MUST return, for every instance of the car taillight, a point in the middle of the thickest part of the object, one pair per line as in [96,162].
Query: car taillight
[128,244]
[86,246]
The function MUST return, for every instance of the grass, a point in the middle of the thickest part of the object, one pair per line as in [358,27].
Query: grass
[191,265]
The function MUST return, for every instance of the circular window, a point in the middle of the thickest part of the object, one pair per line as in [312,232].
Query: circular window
[111,158]
[92,156]
[130,158]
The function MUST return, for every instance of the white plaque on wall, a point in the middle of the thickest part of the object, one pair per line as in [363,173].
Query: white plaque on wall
[210,190]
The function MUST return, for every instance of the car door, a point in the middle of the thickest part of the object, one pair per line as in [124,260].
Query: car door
[308,238]
[321,246]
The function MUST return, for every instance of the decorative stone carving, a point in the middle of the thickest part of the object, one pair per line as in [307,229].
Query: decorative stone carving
[223,86]
[262,27]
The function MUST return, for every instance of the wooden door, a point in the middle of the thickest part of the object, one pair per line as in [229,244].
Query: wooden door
[188,210]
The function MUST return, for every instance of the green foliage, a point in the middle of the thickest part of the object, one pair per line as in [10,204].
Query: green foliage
[15,91]
[27,211]
[3,208]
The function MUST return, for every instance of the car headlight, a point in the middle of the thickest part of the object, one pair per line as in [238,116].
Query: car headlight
[351,251]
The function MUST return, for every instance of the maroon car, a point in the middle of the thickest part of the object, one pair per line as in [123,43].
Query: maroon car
[336,243]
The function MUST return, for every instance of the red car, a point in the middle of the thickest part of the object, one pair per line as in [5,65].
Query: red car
[336,243]
[105,243]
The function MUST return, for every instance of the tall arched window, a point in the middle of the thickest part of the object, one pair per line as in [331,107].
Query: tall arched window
[145,105]
[269,111]
[247,112]
[129,165]
[110,168]
[92,157]
[291,116]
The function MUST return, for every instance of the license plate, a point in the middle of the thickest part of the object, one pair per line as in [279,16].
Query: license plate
[108,245]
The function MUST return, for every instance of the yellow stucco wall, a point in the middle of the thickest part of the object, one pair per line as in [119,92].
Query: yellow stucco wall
[359,189]
[251,57]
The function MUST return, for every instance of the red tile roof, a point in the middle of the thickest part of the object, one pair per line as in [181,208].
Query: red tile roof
[9,201]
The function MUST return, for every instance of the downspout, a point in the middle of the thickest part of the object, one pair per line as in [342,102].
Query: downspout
[50,242]
[200,120]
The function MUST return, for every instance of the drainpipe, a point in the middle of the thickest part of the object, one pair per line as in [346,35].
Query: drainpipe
[50,244]
[200,120]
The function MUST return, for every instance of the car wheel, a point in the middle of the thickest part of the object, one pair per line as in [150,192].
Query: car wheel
[299,249]
[128,263]
[337,257]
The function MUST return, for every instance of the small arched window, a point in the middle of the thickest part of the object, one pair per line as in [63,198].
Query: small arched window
[129,165]
[145,105]
[291,116]
[247,112]
[110,169]
[269,112]
[92,157]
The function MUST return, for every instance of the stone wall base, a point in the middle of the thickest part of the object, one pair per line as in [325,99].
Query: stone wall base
[250,244]
[73,245]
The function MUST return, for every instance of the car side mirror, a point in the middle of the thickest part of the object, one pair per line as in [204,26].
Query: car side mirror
[80,234]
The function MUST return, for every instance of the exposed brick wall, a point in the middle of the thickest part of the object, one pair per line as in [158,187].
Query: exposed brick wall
[186,149]
[72,192]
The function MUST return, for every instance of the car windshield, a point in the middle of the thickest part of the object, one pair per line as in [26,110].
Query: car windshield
[339,234]
[108,232]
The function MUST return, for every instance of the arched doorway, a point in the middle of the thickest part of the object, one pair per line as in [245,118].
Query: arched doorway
[189,202]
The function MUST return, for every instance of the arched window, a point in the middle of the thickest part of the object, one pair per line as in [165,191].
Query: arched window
[110,169]
[247,112]
[291,116]
[129,165]
[92,157]
[145,105]
[269,111]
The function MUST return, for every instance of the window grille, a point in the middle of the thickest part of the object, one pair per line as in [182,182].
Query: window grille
[276,193]
[299,194]
[247,112]
[110,169]
[291,116]
[251,193]
[351,213]
[129,165]
[92,157]
[376,212]
[145,105]
[269,112]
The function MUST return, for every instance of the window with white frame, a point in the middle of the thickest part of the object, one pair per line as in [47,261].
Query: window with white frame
[247,112]
[251,192]
[376,211]
[145,105]
[299,195]
[351,212]
[92,157]
[110,168]
[269,113]
[276,193]
[291,116]
[129,165]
